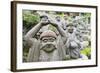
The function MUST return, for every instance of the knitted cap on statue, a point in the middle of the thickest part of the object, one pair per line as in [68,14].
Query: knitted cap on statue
[48,33]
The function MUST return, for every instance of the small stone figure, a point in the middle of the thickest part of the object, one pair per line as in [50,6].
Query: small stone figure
[61,22]
[73,45]
[48,47]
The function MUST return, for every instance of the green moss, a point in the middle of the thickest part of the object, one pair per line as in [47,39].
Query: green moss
[86,51]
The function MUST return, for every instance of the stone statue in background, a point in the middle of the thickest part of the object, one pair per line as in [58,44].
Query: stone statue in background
[48,47]
[73,45]
[61,22]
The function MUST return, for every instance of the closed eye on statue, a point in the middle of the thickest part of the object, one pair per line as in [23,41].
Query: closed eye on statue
[51,39]
[45,40]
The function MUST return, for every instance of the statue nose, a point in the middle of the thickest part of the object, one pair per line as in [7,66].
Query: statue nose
[49,43]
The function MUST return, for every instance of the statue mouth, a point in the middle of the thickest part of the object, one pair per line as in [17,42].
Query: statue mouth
[48,48]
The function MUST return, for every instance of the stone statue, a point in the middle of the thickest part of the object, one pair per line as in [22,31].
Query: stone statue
[73,45]
[48,46]
[61,22]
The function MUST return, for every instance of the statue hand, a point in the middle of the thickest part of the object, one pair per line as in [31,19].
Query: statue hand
[53,22]
[44,22]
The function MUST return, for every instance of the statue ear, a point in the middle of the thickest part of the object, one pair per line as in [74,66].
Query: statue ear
[40,41]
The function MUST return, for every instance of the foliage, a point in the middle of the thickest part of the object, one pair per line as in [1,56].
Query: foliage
[86,51]
[30,19]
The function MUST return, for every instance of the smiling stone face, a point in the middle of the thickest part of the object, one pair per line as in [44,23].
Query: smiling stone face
[48,44]
[48,41]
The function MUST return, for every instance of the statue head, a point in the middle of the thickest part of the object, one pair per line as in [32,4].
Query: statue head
[71,27]
[58,18]
[48,41]
[65,17]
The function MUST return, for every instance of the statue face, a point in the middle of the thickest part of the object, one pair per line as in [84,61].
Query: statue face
[65,17]
[48,44]
[70,28]
[58,18]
